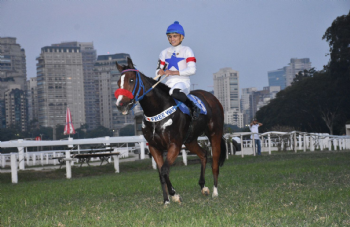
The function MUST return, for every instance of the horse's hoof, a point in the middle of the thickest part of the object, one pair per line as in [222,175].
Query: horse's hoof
[205,191]
[215,192]
[166,203]
[176,198]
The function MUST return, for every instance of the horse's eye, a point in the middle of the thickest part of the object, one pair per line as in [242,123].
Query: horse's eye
[131,81]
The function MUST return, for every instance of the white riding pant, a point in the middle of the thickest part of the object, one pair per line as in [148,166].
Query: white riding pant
[183,86]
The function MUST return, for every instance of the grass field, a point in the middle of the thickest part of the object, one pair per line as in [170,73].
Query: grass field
[304,189]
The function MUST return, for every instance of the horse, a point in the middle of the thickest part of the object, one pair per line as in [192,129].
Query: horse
[169,134]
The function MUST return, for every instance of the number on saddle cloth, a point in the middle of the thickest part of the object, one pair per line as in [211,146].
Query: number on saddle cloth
[196,101]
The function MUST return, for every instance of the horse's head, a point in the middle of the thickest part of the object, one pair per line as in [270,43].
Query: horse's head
[128,84]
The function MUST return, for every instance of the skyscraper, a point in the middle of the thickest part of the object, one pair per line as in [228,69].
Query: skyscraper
[13,74]
[107,77]
[296,65]
[89,58]
[226,90]
[277,78]
[246,110]
[284,77]
[32,98]
[16,108]
[60,85]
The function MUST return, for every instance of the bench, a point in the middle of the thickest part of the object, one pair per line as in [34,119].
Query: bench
[87,157]
[62,160]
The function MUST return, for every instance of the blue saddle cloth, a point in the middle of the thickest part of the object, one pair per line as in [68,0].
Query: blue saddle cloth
[196,101]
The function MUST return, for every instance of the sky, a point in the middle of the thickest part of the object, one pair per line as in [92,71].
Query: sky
[250,36]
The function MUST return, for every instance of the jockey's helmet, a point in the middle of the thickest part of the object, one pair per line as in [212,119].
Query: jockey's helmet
[175,28]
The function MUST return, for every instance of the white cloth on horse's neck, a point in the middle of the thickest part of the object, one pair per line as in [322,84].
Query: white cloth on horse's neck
[186,66]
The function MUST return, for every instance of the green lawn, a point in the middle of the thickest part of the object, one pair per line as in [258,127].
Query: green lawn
[304,189]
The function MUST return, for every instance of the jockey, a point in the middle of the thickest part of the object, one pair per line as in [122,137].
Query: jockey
[181,64]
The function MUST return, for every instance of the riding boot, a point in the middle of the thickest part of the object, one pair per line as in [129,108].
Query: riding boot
[195,111]
[183,98]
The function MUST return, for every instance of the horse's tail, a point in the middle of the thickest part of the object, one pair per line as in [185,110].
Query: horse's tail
[223,152]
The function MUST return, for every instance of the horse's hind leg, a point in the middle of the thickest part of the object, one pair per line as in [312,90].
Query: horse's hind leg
[216,148]
[202,154]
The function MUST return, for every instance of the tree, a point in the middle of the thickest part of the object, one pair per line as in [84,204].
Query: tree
[128,130]
[99,132]
[338,37]
[317,101]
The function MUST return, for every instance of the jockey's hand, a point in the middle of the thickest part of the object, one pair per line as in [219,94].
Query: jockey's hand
[161,72]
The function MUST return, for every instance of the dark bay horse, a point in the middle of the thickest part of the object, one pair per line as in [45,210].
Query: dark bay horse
[171,132]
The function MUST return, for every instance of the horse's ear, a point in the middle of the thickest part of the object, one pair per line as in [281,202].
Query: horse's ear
[130,64]
[119,67]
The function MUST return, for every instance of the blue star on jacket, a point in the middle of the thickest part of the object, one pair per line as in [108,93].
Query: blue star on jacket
[173,61]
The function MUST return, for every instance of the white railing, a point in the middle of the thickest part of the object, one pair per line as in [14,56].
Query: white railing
[270,141]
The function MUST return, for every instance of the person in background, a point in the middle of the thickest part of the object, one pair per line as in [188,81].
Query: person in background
[254,127]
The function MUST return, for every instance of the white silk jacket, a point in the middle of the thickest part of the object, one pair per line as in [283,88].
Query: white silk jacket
[179,58]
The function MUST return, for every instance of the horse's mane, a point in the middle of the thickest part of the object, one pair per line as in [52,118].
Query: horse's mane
[160,86]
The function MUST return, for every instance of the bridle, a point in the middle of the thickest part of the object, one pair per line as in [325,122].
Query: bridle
[131,95]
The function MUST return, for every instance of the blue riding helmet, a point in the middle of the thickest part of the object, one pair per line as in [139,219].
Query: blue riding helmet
[176,28]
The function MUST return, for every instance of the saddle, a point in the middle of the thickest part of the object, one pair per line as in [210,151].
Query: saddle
[184,109]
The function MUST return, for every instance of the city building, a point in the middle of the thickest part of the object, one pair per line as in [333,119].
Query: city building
[13,74]
[16,108]
[106,80]
[60,84]
[32,99]
[257,99]
[246,98]
[88,59]
[284,77]
[277,78]
[226,90]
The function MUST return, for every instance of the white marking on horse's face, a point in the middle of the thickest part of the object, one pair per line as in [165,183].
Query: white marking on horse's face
[120,97]
[215,192]
[168,123]
[122,81]
[143,124]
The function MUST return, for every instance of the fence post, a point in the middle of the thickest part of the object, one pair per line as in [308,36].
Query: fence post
[27,158]
[184,156]
[329,145]
[14,174]
[116,163]
[231,145]
[295,142]
[299,139]
[21,156]
[68,165]
[34,159]
[312,148]
[142,149]
[242,146]
[304,142]
[269,138]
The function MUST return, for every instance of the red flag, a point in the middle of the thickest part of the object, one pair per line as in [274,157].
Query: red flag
[68,129]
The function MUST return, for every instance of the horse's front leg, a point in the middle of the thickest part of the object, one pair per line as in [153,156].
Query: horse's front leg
[173,152]
[158,158]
